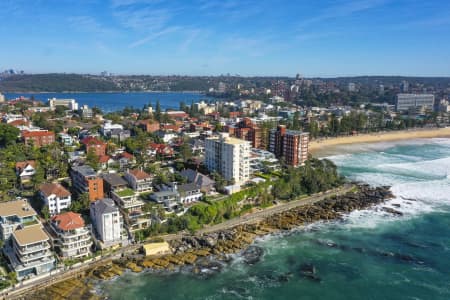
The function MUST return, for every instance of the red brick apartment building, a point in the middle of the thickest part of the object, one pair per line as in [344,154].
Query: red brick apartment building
[38,138]
[291,145]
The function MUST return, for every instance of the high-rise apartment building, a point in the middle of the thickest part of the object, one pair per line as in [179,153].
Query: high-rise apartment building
[85,180]
[291,145]
[413,101]
[229,157]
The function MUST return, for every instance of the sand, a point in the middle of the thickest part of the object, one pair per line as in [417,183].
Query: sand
[322,144]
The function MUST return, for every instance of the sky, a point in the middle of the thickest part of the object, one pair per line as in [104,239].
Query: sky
[211,37]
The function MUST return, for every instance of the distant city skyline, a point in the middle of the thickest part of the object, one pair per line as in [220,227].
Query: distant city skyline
[209,37]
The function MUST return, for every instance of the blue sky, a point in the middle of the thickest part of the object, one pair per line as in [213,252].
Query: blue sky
[211,37]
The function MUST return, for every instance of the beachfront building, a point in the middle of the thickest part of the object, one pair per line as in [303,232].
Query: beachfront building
[406,102]
[15,214]
[169,199]
[289,145]
[132,208]
[70,237]
[107,221]
[28,252]
[85,180]
[112,182]
[55,197]
[229,157]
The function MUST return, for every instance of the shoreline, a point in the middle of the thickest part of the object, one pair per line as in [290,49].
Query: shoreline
[317,146]
[207,251]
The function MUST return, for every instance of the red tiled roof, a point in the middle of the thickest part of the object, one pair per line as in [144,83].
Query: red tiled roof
[68,221]
[18,123]
[104,158]
[27,133]
[126,155]
[90,140]
[139,174]
[20,165]
[54,189]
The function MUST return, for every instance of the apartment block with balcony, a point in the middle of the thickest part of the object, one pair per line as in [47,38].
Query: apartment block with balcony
[108,223]
[86,180]
[28,252]
[70,237]
[131,207]
[139,180]
[228,156]
[15,214]
[289,145]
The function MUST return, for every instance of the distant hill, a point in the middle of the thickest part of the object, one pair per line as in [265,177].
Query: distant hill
[55,83]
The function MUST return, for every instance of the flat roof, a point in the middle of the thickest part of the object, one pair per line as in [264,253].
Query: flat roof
[19,208]
[30,235]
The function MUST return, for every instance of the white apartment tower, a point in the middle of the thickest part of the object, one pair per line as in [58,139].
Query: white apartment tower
[107,220]
[229,157]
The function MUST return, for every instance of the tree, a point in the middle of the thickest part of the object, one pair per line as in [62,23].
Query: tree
[185,151]
[8,134]
[92,159]
[45,212]
[158,111]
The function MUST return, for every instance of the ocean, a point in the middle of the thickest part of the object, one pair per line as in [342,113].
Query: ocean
[109,102]
[367,255]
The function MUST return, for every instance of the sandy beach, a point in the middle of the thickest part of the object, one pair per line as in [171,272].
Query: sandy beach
[321,144]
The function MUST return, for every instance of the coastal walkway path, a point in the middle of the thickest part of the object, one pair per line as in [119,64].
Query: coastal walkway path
[279,208]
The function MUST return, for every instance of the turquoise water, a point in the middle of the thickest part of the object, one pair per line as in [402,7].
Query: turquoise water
[116,101]
[368,255]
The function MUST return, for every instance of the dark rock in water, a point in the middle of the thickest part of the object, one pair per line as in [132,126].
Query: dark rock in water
[396,205]
[206,267]
[307,269]
[285,277]
[252,255]
[392,211]
[359,249]
[312,277]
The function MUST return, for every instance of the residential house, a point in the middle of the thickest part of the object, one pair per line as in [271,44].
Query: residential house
[119,134]
[70,237]
[125,160]
[148,126]
[205,183]
[55,197]
[139,180]
[170,199]
[25,170]
[189,193]
[65,139]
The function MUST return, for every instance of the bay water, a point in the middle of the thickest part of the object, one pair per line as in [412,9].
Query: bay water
[114,101]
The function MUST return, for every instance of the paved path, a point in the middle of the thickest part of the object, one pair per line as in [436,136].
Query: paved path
[262,214]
